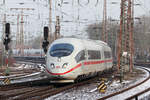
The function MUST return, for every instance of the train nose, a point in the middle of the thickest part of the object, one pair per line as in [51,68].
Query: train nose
[56,69]
[60,66]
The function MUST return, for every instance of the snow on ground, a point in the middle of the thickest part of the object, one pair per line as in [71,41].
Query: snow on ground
[41,67]
[21,66]
[90,92]
[25,66]
[24,78]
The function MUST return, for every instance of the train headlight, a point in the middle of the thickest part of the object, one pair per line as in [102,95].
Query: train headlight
[65,65]
[52,65]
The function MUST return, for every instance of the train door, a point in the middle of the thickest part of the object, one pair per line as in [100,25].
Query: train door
[80,58]
[84,65]
[104,59]
[101,58]
[85,68]
[107,55]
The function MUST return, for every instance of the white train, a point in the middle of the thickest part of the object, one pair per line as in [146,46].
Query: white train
[70,59]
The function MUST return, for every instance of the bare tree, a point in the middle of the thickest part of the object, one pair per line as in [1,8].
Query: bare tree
[94,32]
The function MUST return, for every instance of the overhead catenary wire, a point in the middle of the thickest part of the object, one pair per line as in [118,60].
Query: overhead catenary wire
[84,3]
[143,7]
[79,2]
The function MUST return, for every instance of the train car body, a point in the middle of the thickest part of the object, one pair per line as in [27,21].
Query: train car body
[69,59]
[28,53]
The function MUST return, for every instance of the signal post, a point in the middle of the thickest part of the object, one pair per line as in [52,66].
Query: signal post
[6,42]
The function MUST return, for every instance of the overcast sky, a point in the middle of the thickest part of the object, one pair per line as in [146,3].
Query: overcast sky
[77,14]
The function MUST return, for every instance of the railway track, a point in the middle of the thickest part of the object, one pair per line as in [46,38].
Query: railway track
[36,91]
[32,90]
[131,95]
[9,92]
[39,60]
[21,78]
[145,64]
[23,84]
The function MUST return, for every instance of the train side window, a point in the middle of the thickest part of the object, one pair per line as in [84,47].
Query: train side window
[80,56]
[107,54]
[94,54]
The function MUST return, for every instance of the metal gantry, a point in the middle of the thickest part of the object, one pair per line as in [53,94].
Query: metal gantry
[21,34]
[125,36]
[17,34]
[50,20]
[57,28]
[104,36]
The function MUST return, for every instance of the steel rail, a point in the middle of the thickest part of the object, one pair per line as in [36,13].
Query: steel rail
[38,93]
[124,90]
[22,84]
[46,94]
[140,93]
[49,93]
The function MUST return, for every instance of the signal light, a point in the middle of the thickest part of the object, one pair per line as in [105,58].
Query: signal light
[45,42]
[46,33]
[7,40]
[45,45]
[7,29]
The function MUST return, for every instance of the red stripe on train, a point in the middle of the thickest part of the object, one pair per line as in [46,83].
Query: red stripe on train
[96,62]
[79,65]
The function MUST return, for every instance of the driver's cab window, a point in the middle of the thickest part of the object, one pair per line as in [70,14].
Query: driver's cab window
[80,56]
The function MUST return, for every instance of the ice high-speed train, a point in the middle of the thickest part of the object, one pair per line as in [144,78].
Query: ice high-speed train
[71,59]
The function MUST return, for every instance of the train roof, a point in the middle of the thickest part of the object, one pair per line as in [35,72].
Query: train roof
[69,40]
